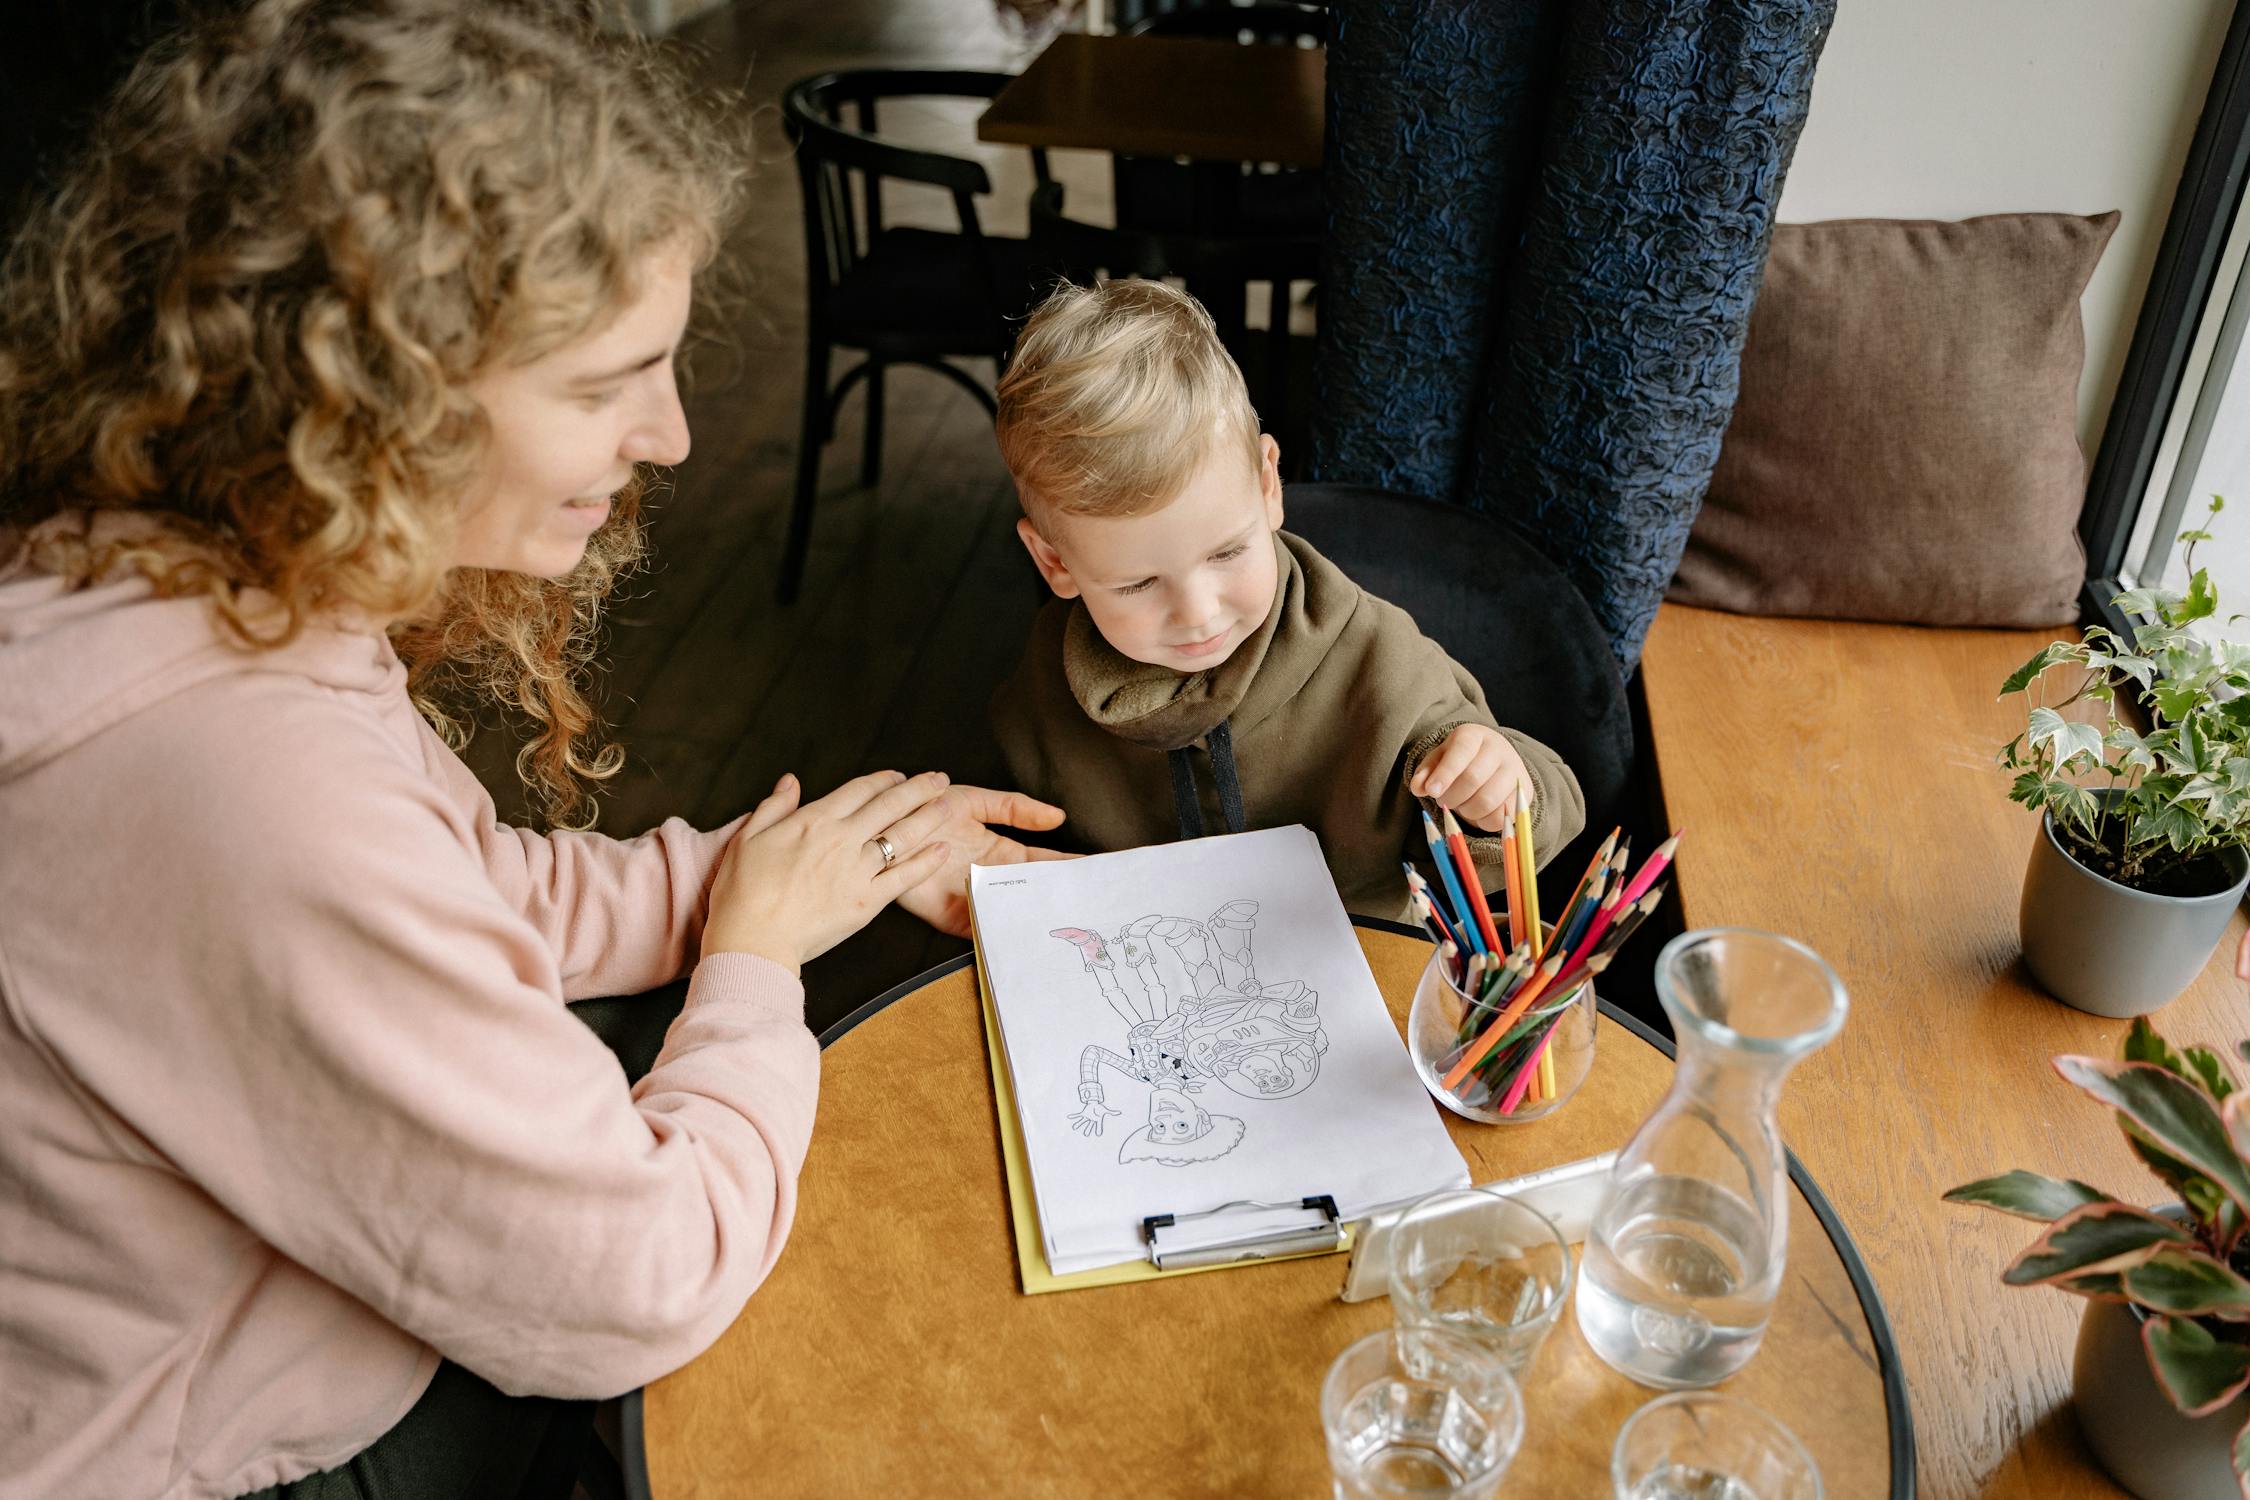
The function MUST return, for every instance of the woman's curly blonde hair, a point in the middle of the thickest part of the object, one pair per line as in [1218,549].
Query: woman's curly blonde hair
[256,302]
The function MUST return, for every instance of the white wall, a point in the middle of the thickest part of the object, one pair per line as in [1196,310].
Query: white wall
[1943,109]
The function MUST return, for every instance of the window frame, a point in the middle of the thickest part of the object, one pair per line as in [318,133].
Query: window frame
[2179,293]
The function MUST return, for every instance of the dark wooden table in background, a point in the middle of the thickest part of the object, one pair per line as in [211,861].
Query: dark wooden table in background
[1167,96]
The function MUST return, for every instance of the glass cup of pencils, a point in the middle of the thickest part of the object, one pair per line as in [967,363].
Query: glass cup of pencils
[1531,1067]
[1504,1017]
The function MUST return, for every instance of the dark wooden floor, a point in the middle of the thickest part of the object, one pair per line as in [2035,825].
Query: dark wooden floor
[917,595]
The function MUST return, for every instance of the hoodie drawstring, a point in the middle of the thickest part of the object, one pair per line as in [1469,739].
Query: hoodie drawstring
[1187,803]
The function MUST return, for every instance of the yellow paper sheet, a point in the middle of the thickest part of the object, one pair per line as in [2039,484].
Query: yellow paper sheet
[1031,1252]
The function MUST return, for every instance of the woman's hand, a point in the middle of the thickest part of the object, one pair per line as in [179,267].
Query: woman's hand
[943,899]
[798,880]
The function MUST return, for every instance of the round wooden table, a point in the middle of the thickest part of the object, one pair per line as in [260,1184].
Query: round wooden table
[891,1353]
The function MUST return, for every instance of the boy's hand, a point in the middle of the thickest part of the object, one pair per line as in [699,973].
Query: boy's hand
[970,811]
[1475,772]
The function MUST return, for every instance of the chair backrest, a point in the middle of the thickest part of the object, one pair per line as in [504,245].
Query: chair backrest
[1085,249]
[841,166]
[1218,269]
[1503,610]
[1161,194]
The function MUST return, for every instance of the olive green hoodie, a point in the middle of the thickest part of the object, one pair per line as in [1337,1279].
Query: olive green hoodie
[1325,713]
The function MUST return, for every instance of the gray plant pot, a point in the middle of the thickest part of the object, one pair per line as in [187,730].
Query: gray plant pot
[2133,1427]
[2107,948]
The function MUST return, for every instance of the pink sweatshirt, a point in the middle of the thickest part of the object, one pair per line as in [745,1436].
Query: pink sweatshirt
[289,1102]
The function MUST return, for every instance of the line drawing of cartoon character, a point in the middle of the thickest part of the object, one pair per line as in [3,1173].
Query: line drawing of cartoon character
[1200,1015]
[1102,964]
[1181,1132]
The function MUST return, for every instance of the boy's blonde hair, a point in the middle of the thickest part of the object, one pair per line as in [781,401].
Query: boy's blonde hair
[1115,393]
[255,305]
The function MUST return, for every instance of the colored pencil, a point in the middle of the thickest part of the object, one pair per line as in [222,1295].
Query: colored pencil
[1560,959]
[1527,871]
[1541,1064]
[1657,863]
[1512,971]
[1507,1018]
[1625,900]
[1609,902]
[1606,914]
[1510,883]
[1431,899]
[1611,941]
[1423,894]
[1623,929]
[1545,1087]
[1530,1071]
[1452,884]
[1569,913]
[1434,930]
[1605,880]
[1457,843]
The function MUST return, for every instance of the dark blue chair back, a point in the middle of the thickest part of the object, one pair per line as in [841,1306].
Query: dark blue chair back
[1504,611]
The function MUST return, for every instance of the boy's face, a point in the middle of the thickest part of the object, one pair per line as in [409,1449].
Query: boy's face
[1182,585]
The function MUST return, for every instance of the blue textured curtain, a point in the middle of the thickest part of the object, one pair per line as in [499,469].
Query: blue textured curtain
[1547,223]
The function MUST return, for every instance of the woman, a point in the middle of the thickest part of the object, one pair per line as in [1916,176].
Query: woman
[325,385]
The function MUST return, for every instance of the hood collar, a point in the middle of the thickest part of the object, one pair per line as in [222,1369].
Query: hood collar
[75,661]
[1160,709]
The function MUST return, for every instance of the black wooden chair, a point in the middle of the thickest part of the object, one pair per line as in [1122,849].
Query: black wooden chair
[903,295]
[1502,609]
[1219,270]
[1158,194]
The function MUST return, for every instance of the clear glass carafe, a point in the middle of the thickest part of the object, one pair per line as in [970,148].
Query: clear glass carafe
[1686,1252]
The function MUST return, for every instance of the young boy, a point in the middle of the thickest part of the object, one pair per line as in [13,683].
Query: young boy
[1201,670]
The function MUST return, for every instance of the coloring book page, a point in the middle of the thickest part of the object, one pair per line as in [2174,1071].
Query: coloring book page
[1193,1025]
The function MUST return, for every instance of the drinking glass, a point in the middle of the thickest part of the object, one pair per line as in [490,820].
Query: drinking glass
[1419,1414]
[1483,1265]
[1443,1015]
[1699,1445]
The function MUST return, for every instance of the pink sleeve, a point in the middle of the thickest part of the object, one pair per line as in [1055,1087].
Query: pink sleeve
[624,915]
[348,1037]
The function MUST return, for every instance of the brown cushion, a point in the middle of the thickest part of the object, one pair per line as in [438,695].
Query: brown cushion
[1905,445]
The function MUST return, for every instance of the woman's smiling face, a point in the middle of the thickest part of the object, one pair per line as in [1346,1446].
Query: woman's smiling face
[568,429]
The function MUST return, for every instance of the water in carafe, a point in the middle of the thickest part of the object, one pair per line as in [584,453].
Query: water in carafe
[1684,1258]
[1675,1291]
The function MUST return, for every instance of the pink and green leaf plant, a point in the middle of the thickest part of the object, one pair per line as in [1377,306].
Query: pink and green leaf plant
[2187,1270]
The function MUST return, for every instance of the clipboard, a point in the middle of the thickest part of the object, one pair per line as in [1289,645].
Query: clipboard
[1189,1248]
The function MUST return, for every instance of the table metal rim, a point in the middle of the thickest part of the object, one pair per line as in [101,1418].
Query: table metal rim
[1896,1405]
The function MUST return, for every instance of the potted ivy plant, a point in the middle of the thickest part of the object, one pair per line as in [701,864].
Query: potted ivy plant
[2163,1358]
[2141,852]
